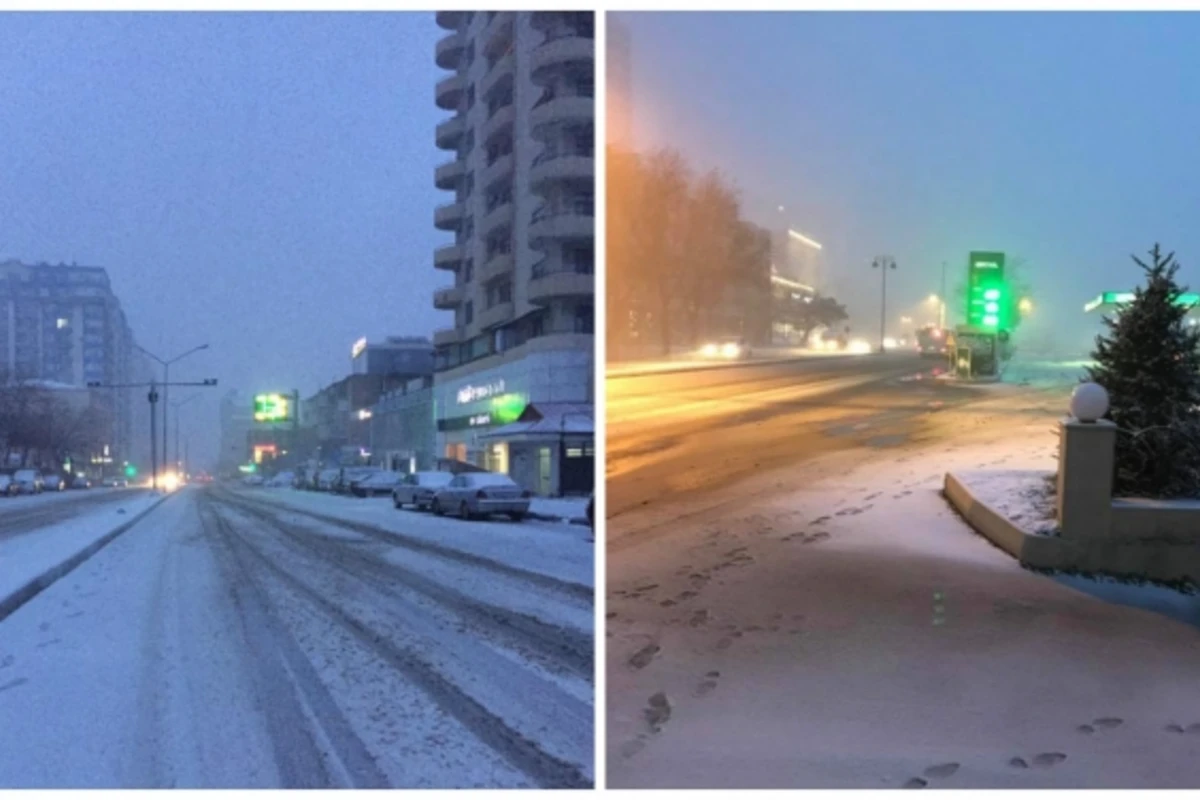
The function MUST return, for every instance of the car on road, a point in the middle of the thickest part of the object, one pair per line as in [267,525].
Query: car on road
[115,483]
[8,487]
[281,480]
[475,495]
[376,484]
[29,481]
[325,479]
[54,483]
[81,482]
[933,341]
[418,488]
[253,480]
[730,349]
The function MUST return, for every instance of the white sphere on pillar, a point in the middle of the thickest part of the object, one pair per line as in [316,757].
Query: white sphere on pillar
[1089,402]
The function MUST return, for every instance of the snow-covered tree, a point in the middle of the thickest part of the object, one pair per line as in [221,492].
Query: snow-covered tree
[1149,362]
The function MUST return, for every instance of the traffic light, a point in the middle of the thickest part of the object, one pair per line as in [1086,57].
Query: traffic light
[130,471]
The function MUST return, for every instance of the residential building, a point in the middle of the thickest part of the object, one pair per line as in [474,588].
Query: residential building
[340,415]
[63,323]
[523,221]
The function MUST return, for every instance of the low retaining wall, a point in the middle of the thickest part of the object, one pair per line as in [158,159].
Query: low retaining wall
[1131,548]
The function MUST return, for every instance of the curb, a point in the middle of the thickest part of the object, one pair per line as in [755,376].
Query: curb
[18,598]
[556,518]
[987,522]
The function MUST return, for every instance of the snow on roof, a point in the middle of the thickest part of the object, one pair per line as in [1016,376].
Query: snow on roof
[546,419]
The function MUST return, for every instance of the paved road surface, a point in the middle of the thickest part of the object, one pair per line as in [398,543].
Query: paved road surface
[679,434]
[224,642]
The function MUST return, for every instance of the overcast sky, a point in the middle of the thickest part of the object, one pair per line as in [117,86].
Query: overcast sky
[259,182]
[1069,139]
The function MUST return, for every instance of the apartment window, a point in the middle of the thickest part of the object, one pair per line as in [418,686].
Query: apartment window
[498,102]
[537,327]
[468,312]
[584,319]
[499,148]
[470,97]
[468,270]
[467,229]
[580,140]
[499,244]
[499,197]
[500,338]
[504,291]
[579,259]
[469,57]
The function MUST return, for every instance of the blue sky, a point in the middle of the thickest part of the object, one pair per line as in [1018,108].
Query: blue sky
[261,182]
[1068,139]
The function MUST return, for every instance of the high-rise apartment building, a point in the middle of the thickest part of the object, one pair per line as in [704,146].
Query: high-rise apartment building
[63,323]
[521,138]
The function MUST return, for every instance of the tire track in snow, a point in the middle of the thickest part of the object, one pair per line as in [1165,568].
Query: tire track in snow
[561,648]
[522,752]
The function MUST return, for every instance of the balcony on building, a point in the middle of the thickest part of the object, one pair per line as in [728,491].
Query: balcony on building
[450,297]
[558,54]
[447,175]
[450,91]
[500,169]
[497,36]
[499,121]
[449,217]
[450,20]
[496,315]
[449,50]
[446,336]
[499,78]
[574,220]
[500,265]
[450,132]
[449,257]
[555,107]
[502,214]
[554,166]
[553,278]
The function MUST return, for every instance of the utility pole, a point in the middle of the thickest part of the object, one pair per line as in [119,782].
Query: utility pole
[942,317]
[883,264]
[153,398]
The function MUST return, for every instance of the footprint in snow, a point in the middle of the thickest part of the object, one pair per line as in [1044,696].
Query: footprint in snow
[1088,729]
[708,685]
[658,711]
[941,770]
[1018,762]
[4,687]
[1049,759]
[633,747]
[643,657]
[916,783]
[1108,722]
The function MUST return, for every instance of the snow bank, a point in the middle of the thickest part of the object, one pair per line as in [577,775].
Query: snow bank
[565,509]
[25,557]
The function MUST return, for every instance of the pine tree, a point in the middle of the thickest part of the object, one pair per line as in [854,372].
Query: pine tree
[1150,364]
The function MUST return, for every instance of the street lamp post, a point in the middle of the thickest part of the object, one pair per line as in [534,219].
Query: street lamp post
[178,406]
[883,264]
[166,364]
[942,310]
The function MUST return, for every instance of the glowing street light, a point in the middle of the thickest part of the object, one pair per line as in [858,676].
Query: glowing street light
[1025,306]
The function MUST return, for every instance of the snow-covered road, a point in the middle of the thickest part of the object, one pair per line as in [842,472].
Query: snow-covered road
[836,625]
[224,643]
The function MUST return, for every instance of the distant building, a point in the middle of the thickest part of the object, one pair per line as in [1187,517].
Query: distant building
[403,430]
[339,415]
[521,138]
[237,421]
[410,356]
[63,323]
[619,79]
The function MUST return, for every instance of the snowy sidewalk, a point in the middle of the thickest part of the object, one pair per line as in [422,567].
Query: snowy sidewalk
[843,628]
[29,562]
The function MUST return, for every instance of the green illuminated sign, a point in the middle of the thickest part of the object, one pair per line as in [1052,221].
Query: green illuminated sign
[130,471]
[987,301]
[1124,298]
[272,407]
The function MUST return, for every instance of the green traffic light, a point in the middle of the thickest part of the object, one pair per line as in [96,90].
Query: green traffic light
[130,471]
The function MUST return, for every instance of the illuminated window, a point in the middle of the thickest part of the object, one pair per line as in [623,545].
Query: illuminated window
[62,322]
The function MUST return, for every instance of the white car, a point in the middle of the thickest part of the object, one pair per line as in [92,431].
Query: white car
[325,479]
[29,481]
[54,483]
[7,486]
[280,480]
[731,349]
[418,488]
[378,483]
[481,494]
[253,480]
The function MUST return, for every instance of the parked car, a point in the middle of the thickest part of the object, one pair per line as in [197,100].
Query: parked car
[418,488]
[379,483]
[481,494]
[8,487]
[325,479]
[29,481]
[348,476]
[281,480]
[115,483]
[253,480]
[81,482]
[54,483]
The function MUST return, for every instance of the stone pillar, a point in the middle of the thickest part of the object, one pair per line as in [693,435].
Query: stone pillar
[1086,454]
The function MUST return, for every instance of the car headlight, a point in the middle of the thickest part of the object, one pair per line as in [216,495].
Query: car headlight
[731,350]
[709,350]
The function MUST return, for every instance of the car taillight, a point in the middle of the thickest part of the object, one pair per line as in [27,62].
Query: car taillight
[481,495]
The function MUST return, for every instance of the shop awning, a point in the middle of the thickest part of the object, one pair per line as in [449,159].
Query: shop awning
[547,421]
